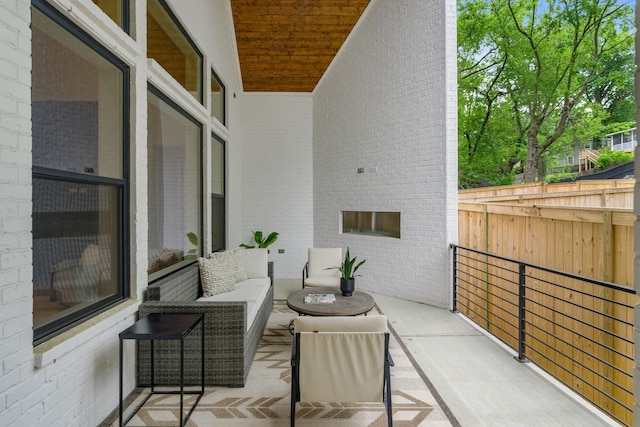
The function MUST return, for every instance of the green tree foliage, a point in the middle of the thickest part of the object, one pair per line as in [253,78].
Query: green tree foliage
[537,78]
[612,158]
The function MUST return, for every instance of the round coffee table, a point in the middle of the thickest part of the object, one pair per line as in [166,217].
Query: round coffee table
[358,303]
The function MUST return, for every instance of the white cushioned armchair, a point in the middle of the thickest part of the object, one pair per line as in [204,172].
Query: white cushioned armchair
[319,271]
[341,359]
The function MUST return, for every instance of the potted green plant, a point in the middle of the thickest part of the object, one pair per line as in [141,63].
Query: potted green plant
[348,270]
[261,241]
[193,239]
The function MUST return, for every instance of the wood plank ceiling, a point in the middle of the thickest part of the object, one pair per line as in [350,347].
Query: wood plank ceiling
[287,45]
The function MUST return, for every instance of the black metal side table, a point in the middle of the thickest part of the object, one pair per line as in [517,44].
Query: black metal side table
[164,326]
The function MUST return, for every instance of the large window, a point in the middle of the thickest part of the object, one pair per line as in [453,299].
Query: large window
[170,45]
[117,10]
[218,203]
[80,134]
[218,99]
[174,144]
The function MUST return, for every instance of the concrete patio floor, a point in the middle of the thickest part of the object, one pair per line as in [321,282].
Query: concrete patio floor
[477,377]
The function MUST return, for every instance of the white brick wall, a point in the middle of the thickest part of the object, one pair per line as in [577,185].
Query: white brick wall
[277,188]
[73,380]
[389,102]
[16,354]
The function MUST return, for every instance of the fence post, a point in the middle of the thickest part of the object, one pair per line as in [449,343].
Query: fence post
[454,308]
[521,313]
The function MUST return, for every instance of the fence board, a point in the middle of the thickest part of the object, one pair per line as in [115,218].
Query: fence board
[595,242]
[544,188]
[580,332]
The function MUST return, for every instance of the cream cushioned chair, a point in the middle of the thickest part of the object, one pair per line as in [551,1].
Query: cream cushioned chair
[77,283]
[341,359]
[315,271]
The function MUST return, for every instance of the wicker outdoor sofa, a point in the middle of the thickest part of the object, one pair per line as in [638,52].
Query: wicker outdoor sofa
[230,343]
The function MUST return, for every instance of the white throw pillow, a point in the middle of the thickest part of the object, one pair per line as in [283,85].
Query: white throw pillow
[255,262]
[238,265]
[217,274]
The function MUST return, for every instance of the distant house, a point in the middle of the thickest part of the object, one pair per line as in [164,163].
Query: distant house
[584,158]
[621,141]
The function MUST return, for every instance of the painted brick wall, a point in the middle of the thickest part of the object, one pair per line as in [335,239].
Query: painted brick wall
[277,189]
[388,105]
[16,356]
[74,379]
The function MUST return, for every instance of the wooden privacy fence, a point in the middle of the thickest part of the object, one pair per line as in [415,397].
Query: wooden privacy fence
[513,192]
[605,198]
[593,242]
[579,330]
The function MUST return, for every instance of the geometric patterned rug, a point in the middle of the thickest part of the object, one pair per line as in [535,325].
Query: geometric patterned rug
[265,398]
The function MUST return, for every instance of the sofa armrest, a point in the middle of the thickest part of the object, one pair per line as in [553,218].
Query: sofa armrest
[225,342]
[182,285]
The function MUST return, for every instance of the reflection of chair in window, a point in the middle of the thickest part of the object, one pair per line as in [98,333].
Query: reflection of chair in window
[341,359]
[75,282]
[319,269]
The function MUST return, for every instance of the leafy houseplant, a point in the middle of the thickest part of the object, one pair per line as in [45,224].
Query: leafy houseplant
[193,239]
[262,242]
[348,270]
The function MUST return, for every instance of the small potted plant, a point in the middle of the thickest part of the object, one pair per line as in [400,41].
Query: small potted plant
[348,270]
[262,242]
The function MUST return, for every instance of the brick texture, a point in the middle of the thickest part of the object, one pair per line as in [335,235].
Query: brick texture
[15,211]
[277,188]
[388,104]
[73,380]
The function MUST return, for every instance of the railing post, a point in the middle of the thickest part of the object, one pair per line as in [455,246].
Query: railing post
[521,313]
[454,308]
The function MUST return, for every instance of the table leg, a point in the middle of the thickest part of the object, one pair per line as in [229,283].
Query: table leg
[153,381]
[202,356]
[181,379]
[120,394]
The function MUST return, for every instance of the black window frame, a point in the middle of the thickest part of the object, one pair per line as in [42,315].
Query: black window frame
[58,326]
[125,13]
[223,88]
[186,35]
[217,197]
[163,97]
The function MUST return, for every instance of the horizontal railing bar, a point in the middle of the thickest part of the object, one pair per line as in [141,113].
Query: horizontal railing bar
[584,396]
[486,263]
[582,351]
[587,340]
[604,331]
[490,274]
[597,343]
[610,285]
[507,333]
[486,282]
[486,301]
[615,384]
[578,291]
[588,310]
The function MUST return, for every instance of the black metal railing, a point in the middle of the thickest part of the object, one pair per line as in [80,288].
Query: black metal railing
[579,330]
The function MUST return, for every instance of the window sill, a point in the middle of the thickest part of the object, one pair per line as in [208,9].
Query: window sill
[67,342]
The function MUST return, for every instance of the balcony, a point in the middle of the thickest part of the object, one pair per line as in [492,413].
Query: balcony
[478,378]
